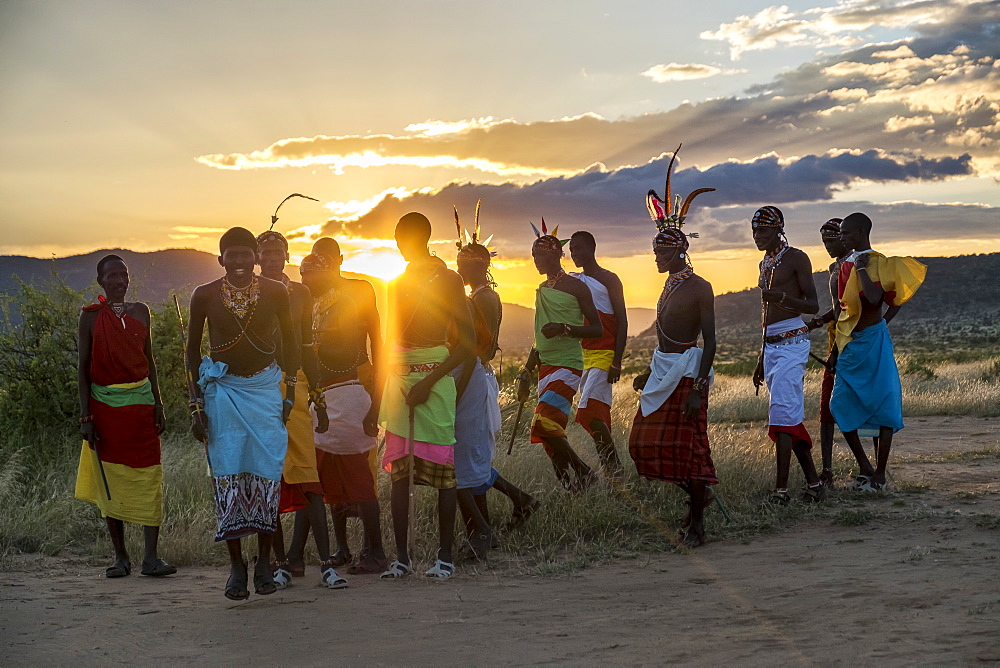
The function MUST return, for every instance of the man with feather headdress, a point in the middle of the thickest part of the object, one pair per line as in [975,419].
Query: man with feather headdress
[669,438]
[477,414]
[563,307]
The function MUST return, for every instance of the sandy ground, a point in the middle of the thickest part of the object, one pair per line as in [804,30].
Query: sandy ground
[916,582]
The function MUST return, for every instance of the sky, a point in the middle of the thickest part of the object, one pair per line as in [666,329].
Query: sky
[159,125]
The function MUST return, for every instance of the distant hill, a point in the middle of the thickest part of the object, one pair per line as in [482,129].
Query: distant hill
[156,274]
[957,308]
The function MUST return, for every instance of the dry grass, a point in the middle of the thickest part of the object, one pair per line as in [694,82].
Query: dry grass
[38,511]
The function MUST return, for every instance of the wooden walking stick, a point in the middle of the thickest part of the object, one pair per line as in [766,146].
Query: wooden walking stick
[522,398]
[100,464]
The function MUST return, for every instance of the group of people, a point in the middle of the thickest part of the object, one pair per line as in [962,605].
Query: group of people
[273,448]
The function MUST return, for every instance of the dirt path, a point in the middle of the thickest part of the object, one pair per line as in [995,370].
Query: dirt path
[910,577]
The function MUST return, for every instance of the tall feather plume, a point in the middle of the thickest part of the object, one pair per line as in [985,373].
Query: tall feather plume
[537,233]
[666,191]
[690,198]
[458,227]
[655,206]
[544,231]
[475,235]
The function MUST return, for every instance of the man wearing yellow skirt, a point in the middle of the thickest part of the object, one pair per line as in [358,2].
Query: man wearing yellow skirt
[301,490]
[121,419]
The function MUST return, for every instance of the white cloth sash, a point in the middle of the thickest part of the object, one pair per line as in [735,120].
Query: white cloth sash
[666,371]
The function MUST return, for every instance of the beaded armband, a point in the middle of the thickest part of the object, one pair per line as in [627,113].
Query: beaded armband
[700,385]
[317,397]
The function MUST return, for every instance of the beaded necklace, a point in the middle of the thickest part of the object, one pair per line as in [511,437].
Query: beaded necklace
[551,282]
[240,301]
[670,286]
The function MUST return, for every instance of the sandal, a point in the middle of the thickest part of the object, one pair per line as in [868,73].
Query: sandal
[329,578]
[158,568]
[826,477]
[780,498]
[814,493]
[118,570]
[864,483]
[236,586]
[396,570]
[280,574]
[441,570]
[522,513]
[693,538]
[368,565]
[340,558]
[263,582]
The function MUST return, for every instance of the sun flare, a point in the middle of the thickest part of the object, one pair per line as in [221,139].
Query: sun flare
[384,264]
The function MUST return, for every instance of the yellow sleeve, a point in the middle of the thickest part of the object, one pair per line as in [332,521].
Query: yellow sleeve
[900,277]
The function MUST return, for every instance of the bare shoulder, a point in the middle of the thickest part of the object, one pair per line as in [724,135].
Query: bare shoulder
[609,279]
[703,287]
[796,254]
[140,311]
[452,280]
[360,287]
[204,290]
[270,287]
[296,289]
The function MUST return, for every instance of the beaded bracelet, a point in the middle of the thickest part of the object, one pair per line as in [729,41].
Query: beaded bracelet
[567,329]
[291,381]
[86,419]
[700,384]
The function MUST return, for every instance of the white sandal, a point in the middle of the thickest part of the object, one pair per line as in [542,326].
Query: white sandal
[397,569]
[441,570]
[282,577]
[331,580]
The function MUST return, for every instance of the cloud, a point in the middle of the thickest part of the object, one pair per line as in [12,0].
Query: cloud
[825,26]
[685,72]
[609,201]
[876,96]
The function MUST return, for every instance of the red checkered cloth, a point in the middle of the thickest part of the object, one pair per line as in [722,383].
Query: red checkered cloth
[666,446]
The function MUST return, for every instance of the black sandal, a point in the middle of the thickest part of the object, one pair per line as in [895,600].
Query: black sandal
[117,570]
[263,583]
[236,586]
[340,558]
[158,568]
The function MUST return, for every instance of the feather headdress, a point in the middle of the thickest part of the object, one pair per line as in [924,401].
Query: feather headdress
[548,241]
[466,239]
[670,212]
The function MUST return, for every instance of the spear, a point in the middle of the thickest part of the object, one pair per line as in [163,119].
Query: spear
[274,216]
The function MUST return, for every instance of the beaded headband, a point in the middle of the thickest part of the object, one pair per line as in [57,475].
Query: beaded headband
[768,216]
[546,242]
[315,262]
[830,229]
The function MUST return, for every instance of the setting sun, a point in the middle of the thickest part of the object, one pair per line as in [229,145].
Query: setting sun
[386,264]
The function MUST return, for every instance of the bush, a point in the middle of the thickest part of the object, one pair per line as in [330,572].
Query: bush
[38,358]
